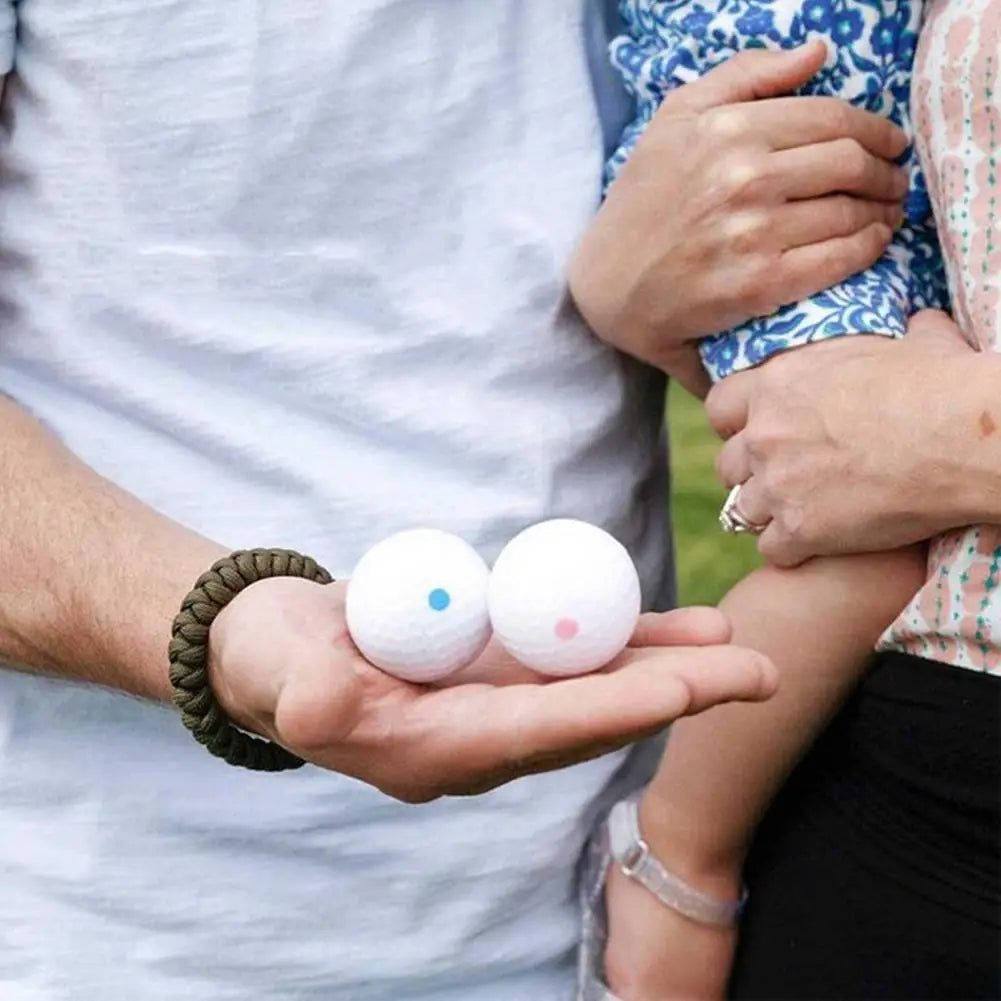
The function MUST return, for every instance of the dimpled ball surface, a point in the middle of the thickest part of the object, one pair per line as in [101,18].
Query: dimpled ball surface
[564,597]
[417,604]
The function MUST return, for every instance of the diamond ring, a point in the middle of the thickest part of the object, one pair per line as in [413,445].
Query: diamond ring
[733,521]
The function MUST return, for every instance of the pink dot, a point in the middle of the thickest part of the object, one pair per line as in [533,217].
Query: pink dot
[567,629]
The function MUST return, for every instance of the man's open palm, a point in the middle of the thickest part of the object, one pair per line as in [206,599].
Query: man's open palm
[283,665]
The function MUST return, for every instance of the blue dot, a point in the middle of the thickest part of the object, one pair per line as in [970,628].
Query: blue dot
[439,599]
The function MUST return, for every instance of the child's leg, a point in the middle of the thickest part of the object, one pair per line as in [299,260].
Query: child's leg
[819,624]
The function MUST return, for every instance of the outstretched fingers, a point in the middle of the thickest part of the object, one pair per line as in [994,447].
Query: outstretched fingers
[695,626]
[473,737]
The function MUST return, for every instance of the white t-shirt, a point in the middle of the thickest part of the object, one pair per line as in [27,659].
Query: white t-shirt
[293,273]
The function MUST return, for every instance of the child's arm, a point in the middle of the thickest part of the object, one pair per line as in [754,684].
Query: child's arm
[819,623]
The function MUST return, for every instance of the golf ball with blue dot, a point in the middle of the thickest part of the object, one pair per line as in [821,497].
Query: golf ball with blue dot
[416,604]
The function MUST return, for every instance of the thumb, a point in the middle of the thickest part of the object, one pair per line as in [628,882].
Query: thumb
[936,331]
[321,700]
[751,75]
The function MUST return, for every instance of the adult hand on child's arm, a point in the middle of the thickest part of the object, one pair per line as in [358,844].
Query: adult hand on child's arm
[864,444]
[734,203]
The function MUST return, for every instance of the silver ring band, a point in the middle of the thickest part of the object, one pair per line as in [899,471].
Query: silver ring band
[733,521]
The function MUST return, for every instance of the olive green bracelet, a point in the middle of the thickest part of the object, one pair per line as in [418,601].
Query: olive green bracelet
[188,654]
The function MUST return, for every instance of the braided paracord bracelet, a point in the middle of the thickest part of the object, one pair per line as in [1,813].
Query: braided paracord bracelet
[189,675]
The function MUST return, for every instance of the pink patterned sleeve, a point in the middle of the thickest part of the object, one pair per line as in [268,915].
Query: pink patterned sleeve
[957,117]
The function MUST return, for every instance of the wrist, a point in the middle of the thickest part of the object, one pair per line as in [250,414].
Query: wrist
[149,661]
[247,685]
[261,652]
[709,865]
[117,632]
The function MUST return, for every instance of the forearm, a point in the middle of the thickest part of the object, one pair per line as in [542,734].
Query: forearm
[819,624]
[90,577]
[964,468]
[950,473]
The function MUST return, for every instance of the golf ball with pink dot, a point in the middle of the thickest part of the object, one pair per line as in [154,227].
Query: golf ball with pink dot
[564,597]
[417,604]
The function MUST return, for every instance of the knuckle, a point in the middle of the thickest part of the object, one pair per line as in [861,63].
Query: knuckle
[756,440]
[840,117]
[718,408]
[853,161]
[746,66]
[848,214]
[743,177]
[775,479]
[776,549]
[730,469]
[762,438]
[724,125]
[744,232]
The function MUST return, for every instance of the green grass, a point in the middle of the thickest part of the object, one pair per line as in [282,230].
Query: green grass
[709,561]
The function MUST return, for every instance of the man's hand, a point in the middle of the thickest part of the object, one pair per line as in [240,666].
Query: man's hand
[857,444]
[734,203]
[282,664]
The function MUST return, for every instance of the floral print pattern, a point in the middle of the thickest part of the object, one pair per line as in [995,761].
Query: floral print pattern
[871,55]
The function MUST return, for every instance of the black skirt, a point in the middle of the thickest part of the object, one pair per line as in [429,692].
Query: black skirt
[877,873]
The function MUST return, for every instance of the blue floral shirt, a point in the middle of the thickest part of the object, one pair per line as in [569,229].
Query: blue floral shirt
[872,45]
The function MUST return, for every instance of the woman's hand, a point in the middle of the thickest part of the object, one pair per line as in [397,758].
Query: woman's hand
[863,444]
[734,203]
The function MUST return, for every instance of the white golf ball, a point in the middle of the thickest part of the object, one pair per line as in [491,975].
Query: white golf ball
[564,597]
[417,604]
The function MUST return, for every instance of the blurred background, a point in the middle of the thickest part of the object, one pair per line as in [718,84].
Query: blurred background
[708,561]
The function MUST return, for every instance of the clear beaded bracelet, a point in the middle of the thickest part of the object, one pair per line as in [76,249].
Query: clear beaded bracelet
[637,862]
